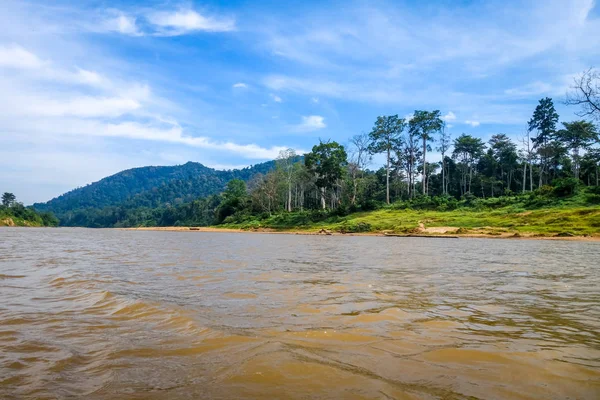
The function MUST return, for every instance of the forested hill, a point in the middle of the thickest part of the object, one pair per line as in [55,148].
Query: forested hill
[146,187]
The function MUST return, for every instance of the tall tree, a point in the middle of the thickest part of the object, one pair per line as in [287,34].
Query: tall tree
[576,136]
[8,199]
[467,149]
[585,93]
[504,152]
[327,161]
[444,142]
[591,165]
[359,157]
[544,122]
[285,162]
[234,199]
[423,125]
[385,137]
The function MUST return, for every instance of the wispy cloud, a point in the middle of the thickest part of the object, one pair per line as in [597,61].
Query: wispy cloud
[240,85]
[63,109]
[472,123]
[311,123]
[449,117]
[119,22]
[530,89]
[15,56]
[276,98]
[173,23]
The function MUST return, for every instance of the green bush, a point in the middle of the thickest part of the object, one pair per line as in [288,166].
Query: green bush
[565,187]
[355,227]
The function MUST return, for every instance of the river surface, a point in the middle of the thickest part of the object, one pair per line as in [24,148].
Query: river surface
[111,314]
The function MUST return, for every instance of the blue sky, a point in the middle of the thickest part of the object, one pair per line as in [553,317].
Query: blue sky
[89,88]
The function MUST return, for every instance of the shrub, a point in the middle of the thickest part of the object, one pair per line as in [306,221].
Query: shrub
[370,205]
[355,227]
[545,190]
[565,187]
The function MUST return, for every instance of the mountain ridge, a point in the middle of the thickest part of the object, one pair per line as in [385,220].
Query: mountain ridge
[149,186]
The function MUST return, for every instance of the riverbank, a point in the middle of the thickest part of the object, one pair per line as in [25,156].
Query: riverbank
[566,220]
[434,232]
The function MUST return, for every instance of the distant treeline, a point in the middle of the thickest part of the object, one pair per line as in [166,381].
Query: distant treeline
[13,213]
[550,159]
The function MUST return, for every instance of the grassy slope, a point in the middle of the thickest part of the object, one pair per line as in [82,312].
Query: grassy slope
[6,218]
[571,216]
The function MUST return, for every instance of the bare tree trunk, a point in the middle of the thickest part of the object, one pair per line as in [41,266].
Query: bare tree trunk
[524,176]
[355,188]
[530,177]
[424,166]
[289,199]
[443,175]
[470,177]
[323,206]
[387,178]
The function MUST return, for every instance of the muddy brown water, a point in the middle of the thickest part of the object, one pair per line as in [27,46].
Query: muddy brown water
[110,314]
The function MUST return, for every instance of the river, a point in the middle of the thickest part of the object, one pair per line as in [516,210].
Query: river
[115,314]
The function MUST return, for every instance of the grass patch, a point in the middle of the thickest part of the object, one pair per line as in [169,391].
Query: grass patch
[522,215]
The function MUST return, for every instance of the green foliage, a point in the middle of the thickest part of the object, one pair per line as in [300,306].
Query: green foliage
[358,227]
[235,201]
[326,161]
[386,134]
[14,213]
[145,196]
[325,188]
[544,120]
[8,199]
[565,187]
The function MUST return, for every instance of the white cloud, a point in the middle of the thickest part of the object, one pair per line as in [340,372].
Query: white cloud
[472,123]
[449,117]
[276,98]
[311,123]
[408,117]
[449,126]
[14,56]
[172,23]
[83,106]
[126,25]
[240,85]
[315,100]
[531,89]
[65,110]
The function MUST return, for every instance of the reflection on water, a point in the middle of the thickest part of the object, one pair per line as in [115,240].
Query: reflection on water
[110,314]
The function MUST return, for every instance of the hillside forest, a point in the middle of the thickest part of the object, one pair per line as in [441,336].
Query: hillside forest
[552,160]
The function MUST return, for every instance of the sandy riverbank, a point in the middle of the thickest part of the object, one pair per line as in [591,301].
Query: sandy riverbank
[426,232]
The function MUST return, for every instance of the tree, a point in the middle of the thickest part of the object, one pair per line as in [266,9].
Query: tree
[385,137]
[591,165]
[577,135]
[504,152]
[326,161]
[234,199]
[586,94]
[358,160]
[285,162]
[467,149]
[422,125]
[444,145]
[8,199]
[544,122]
